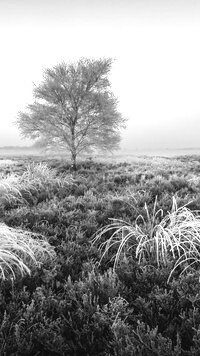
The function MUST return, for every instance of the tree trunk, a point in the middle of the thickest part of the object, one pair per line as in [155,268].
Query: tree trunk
[73,151]
[73,160]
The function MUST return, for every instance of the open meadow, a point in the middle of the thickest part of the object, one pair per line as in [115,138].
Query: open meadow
[102,261]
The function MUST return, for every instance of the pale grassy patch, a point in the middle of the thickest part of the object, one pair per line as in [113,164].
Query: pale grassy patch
[41,176]
[10,189]
[21,251]
[7,162]
[37,177]
[176,237]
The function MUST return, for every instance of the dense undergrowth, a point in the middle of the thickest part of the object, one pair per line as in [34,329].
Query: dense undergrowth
[71,304]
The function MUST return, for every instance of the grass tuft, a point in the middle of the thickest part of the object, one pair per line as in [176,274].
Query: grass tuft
[38,177]
[175,237]
[20,251]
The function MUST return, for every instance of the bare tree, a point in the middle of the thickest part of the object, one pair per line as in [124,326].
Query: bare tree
[74,108]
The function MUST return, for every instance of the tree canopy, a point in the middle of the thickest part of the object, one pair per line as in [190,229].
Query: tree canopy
[74,108]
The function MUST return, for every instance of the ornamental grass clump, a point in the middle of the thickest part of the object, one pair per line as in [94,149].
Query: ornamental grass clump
[41,177]
[10,190]
[21,251]
[155,239]
[39,174]
[36,179]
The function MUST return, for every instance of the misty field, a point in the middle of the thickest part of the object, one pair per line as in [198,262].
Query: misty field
[102,261]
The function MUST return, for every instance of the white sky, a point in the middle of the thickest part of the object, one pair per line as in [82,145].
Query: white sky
[156,73]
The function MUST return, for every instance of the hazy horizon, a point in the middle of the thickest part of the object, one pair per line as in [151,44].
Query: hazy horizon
[155,75]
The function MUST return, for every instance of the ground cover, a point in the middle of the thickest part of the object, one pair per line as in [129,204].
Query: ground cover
[75,302]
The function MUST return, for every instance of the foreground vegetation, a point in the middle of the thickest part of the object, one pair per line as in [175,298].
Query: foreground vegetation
[109,261]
